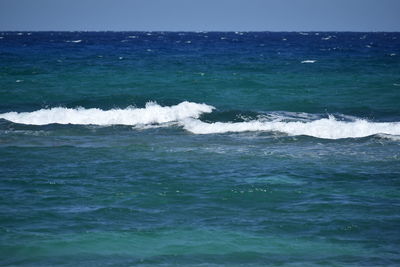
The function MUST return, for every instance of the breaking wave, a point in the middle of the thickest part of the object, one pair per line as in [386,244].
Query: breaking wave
[328,128]
[187,114]
[151,114]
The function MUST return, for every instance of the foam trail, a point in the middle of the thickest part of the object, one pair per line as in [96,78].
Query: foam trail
[323,128]
[152,113]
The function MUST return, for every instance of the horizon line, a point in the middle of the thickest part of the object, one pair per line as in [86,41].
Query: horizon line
[207,31]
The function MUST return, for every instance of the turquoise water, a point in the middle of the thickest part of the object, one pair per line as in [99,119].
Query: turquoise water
[199,149]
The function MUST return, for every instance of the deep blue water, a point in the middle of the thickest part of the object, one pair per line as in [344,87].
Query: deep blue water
[199,149]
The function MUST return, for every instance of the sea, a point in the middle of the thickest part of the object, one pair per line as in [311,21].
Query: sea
[199,149]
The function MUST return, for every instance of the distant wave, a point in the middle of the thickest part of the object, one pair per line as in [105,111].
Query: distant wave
[309,61]
[187,114]
[74,41]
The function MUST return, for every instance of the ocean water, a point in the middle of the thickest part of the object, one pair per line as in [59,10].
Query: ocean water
[199,149]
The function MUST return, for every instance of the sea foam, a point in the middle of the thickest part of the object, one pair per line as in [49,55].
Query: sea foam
[327,128]
[151,114]
[187,114]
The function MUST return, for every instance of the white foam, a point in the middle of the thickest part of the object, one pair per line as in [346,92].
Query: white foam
[186,115]
[152,113]
[329,128]
[74,41]
[308,61]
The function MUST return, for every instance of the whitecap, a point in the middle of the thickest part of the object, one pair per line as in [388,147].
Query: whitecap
[308,61]
[74,41]
[327,128]
[187,114]
[151,113]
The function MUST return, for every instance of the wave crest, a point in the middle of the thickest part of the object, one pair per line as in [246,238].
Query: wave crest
[186,114]
[151,114]
[328,128]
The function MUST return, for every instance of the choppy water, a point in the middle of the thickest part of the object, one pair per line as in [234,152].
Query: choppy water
[199,149]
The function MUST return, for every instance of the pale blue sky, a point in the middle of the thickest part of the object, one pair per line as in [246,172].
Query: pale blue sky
[199,15]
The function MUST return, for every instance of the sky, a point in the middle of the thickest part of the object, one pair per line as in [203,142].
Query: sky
[200,15]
